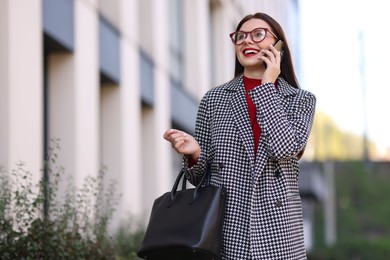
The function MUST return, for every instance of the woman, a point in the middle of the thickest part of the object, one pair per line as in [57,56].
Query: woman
[253,130]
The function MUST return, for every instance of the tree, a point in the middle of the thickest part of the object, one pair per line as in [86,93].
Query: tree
[328,141]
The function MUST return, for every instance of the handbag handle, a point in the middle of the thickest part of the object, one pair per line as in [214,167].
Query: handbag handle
[208,172]
[196,190]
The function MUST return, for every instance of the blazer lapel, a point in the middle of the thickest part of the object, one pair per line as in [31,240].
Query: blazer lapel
[240,114]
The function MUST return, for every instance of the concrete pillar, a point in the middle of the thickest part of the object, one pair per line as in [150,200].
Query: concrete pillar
[62,108]
[73,84]
[197,33]
[87,91]
[162,118]
[223,54]
[330,204]
[130,110]
[111,143]
[156,151]
[21,85]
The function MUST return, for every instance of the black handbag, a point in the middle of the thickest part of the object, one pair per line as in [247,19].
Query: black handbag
[186,224]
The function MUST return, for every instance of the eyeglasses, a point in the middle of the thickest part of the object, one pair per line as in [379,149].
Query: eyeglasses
[257,35]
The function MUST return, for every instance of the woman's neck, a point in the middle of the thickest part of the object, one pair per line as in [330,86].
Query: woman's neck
[254,73]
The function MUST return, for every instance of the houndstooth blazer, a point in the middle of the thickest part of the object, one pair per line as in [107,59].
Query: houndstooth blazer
[263,218]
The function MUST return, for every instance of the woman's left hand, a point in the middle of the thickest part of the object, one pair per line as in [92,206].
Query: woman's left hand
[183,143]
[272,59]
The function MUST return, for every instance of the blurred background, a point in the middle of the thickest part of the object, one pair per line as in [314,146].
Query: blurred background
[108,77]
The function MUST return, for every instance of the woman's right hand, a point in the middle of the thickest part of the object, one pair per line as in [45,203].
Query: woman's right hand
[183,143]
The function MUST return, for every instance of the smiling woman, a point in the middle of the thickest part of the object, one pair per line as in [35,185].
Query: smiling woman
[253,130]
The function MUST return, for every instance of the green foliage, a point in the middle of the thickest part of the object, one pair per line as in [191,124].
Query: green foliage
[363,210]
[354,249]
[363,207]
[128,239]
[75,226]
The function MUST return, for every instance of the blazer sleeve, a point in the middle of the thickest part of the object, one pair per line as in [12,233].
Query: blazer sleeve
[202,135]
[286,131]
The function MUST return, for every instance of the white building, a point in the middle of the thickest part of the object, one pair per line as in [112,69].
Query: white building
[108,77]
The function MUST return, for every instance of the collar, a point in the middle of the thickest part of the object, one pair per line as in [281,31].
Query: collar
[283,88]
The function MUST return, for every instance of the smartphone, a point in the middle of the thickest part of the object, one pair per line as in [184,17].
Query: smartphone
[279,45]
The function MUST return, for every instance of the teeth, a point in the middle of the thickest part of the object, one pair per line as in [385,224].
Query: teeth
[250,52]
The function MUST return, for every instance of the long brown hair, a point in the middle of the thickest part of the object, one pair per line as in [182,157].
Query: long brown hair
[286,66]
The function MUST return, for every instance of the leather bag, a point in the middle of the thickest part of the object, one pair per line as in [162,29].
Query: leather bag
[186,224]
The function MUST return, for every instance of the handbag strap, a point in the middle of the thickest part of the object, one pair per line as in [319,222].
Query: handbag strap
[198,186]
[207,173]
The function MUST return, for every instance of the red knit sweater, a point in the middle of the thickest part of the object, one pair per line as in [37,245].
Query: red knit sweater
[250,84]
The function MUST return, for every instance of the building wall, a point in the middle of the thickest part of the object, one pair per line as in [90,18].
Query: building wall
[110,79]
[21,84]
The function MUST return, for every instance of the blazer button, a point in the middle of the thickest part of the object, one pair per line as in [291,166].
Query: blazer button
[278,203]
[277,173]
[221,165]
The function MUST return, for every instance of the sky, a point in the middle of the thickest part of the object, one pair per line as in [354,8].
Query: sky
[345,61]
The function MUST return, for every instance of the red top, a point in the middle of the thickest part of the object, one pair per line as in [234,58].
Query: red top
[250,84]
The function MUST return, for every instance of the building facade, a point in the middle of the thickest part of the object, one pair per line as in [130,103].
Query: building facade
[108,77]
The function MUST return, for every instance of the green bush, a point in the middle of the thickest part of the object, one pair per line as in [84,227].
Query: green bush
[354,250]
[127,240]
[363,210]
[38,223]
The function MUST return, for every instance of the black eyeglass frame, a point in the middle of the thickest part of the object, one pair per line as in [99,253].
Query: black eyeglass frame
[250,33]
